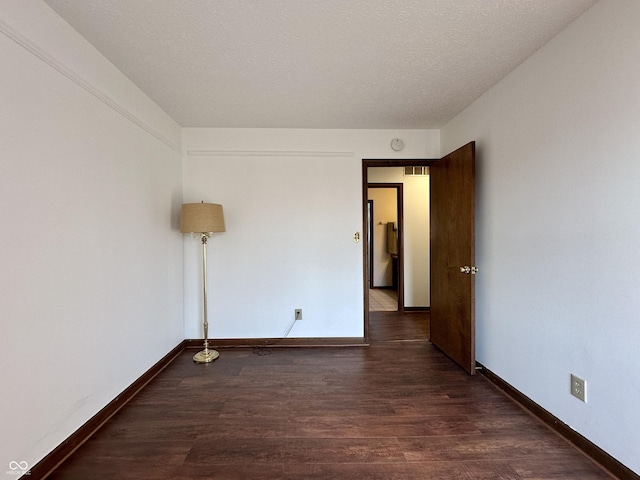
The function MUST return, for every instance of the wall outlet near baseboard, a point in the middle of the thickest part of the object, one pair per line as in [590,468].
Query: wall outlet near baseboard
[298,314]
[579,388]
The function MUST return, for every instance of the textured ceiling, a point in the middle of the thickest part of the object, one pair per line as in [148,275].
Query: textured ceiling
[317,63]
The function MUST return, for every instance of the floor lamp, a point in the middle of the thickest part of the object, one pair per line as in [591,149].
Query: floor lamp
[203,219]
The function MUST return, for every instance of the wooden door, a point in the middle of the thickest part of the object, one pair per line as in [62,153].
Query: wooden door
[453,256]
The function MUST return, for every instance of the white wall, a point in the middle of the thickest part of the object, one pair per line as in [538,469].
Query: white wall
[417,261]
[558,217]
[292,201]
[91,260]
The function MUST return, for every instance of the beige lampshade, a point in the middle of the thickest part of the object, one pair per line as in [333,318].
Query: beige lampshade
[201,218]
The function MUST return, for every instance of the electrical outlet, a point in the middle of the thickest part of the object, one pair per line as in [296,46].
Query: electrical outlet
[579,388]
[298,314]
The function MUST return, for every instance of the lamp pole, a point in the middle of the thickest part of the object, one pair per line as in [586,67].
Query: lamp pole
[206,355]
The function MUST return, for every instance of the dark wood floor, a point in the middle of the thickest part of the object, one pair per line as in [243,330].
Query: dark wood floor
[394,326]
[394,410]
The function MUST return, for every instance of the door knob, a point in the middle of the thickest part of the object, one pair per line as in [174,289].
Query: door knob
[469,270]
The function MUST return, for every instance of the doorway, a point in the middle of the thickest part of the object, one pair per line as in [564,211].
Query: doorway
[384,241]
[452,234]
[379,229]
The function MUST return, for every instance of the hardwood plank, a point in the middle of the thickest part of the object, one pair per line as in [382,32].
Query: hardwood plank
[486,447]
[412,471]
[230,471]
[209,450]
[375,426]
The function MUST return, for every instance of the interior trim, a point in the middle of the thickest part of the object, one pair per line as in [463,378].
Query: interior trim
[53,460]
[267,153]
[279,342]
[417,309]
[56,64]
[591,450]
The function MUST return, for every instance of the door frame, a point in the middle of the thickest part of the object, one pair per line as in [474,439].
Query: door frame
[369,236]
[366,163]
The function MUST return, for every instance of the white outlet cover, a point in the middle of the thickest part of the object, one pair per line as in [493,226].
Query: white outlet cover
[579,388]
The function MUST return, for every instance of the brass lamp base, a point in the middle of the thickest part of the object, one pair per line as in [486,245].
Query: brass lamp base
[205,356]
